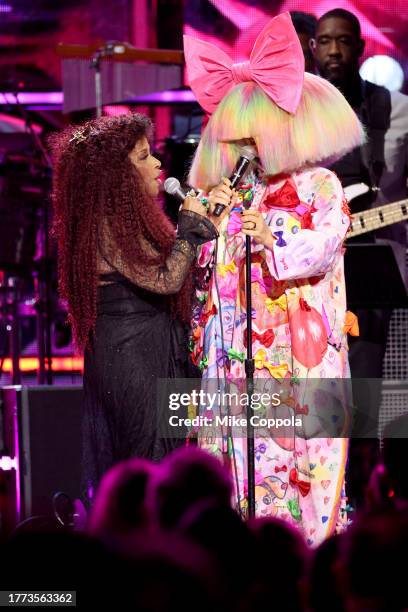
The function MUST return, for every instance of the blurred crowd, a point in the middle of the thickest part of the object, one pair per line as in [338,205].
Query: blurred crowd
[165,537]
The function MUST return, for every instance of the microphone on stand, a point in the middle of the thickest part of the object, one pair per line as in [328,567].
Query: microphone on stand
[247,155]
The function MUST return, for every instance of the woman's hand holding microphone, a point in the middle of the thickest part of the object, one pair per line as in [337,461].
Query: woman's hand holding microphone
[253,223]
[224,195]
[205,206]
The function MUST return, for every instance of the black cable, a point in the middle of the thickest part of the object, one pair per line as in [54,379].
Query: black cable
[43,521]
[57,513]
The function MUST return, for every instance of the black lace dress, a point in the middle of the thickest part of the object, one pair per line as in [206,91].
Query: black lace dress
[136,341]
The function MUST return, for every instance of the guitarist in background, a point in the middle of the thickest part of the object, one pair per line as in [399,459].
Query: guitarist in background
[382,162]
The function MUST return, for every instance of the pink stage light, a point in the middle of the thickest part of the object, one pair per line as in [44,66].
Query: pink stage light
[170,96]
[33,97]
[115,111]
[18,125]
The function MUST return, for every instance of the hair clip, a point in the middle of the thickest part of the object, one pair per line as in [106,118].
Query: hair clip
[78,136]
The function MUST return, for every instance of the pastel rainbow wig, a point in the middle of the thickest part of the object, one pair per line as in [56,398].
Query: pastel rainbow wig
[323,129]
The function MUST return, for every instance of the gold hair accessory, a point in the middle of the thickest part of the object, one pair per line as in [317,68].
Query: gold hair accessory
[78,136]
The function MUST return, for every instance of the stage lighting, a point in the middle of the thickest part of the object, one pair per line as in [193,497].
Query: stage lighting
[383,70]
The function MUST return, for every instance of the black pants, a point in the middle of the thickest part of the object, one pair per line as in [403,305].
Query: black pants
[366,356]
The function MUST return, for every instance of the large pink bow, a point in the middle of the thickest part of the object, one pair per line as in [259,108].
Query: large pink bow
[276,64]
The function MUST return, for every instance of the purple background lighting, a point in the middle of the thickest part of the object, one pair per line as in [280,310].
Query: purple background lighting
[169,96]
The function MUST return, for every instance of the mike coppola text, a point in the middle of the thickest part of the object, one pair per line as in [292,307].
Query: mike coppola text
[220,401]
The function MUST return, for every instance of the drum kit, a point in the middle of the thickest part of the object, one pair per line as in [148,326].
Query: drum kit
[27,265]
[27,268]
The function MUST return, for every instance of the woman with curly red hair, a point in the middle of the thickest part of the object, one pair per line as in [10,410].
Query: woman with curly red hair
[125,274]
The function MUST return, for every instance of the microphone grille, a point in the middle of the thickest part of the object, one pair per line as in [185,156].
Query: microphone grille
[171,185]
[249,152]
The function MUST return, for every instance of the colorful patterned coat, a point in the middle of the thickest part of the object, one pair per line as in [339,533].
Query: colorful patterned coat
[298,317]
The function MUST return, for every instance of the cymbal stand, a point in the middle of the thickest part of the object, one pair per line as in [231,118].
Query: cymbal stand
[43,277]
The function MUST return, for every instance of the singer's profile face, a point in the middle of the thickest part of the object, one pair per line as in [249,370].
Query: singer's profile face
[147,165]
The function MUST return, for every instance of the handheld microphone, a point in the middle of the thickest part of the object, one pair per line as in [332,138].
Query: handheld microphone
[172,187]
[247,155]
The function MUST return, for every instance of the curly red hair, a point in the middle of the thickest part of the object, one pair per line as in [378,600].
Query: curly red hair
[95,181]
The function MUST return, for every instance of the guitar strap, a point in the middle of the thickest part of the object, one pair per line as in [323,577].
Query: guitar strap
[375,114]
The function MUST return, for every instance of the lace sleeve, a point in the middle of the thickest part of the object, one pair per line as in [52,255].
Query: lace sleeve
[168,277]
[195,228]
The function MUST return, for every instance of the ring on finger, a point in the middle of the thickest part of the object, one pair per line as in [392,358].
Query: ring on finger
[205,203]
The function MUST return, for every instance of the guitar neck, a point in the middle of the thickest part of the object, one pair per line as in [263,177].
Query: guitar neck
[374,218]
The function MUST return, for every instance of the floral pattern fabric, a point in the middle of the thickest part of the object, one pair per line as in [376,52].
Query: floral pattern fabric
[299,333]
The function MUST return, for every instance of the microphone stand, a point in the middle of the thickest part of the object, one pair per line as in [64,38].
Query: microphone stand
[96,65]
[110,49]
[249,370]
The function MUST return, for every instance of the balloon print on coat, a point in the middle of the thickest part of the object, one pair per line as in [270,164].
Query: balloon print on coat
[308,333]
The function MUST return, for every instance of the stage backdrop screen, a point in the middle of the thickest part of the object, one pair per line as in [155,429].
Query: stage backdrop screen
[233,25]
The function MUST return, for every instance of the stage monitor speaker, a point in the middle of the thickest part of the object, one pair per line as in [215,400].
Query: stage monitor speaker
[42,430]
